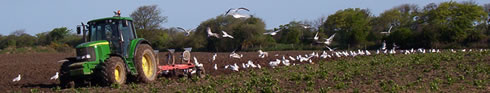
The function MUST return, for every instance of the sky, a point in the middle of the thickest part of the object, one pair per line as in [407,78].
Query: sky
[36,16]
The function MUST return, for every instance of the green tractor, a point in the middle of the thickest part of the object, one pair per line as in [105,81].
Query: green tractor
[111,54]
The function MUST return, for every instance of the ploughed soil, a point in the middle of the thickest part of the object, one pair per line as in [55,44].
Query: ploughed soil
[37,68]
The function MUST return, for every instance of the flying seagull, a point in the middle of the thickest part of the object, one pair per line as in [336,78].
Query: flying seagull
[272,33]
[197,63]
[328,41]
[234,12]
[187,32]
[226,34]
[316,36]
[211,33]
[330,49]
[16,78]
[389,30]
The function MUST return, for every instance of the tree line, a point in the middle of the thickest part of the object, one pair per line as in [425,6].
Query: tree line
[444,25]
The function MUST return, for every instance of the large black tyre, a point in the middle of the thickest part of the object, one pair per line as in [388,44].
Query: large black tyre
[145,63]
[66,81]
[113,71]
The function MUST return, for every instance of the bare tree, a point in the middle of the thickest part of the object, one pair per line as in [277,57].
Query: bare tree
[148,17]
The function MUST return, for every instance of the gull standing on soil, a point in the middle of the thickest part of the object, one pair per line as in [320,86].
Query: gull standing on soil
[211,33]
[273,64]
[368,53]
[16,78]
[234,67]
[214,57]
[251,64]
[383,47]
[263,54]
[292,58]
[55,76]
[235,55]
[215,67]
[285,61]
[226,35]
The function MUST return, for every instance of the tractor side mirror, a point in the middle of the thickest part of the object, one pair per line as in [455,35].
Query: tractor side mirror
[78,29]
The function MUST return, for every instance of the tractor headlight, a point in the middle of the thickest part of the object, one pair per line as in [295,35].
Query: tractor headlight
[84,57]
[86,54]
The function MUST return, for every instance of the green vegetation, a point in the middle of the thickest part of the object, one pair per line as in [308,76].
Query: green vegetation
[431,72]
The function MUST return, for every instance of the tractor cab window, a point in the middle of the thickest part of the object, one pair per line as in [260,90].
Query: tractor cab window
[102,31]
[126,29]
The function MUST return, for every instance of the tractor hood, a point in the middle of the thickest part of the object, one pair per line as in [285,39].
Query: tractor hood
[93,43]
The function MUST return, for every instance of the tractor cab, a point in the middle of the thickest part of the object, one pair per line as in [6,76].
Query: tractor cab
[118,31]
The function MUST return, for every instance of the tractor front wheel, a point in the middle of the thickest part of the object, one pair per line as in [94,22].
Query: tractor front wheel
[146,63]
[113,71]
[66,81]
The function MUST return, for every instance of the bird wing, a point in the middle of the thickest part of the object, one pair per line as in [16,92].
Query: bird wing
[224,33]
[243,8]
[209,31]
[316,36]
[331,37]
[229,10]
[181,29]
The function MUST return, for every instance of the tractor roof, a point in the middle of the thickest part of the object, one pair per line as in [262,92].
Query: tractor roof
[114,18]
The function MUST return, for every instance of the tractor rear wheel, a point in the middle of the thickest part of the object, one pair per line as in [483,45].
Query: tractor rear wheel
[146,64]
[113,71]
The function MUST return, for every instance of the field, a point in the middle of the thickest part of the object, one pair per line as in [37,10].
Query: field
[429,72]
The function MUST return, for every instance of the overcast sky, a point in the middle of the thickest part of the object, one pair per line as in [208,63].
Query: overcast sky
[35,16]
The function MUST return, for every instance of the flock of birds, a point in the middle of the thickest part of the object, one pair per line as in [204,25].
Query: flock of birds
[308,57]
[288,61]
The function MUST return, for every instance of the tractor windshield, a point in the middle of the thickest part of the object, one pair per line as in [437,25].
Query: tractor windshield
[104,30]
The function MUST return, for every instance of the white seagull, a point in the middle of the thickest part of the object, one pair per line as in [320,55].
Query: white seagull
[330,49]
[234,12]
[328,40]
[226,34]
[272,33]
[235,55]
[273,64]
[215,67]
[263,54]
[55,76]
[187,32]
[316,36]
[197,63]
[214,57]
[211,33]
[383,47]
[389,30]
[16,78]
